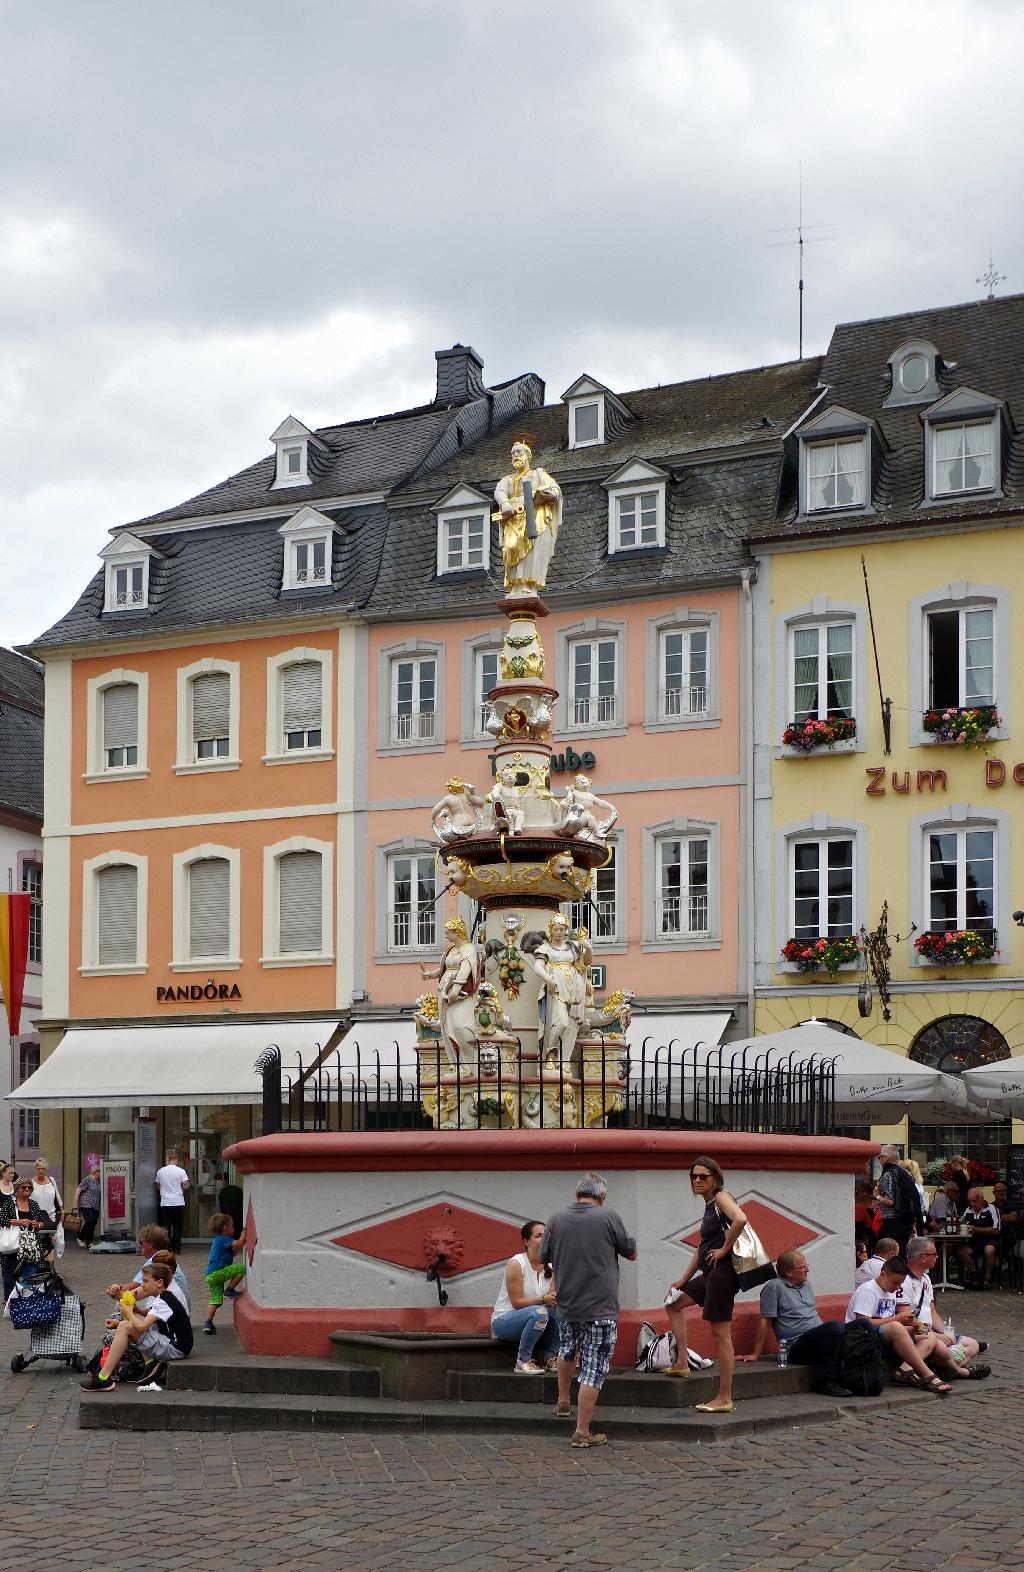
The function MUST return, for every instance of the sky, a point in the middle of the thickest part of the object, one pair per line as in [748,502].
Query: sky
[220,212]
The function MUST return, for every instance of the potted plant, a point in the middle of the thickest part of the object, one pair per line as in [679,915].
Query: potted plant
[811,733]
[964,947]
[961,728]
[813,955]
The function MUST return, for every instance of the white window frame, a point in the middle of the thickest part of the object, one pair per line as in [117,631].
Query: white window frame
[272,956]
[820,827]
[838,441]
[821,610]
[385,951]
[290,435]
[182,861]
[958,816]
[580,402]
[472,733]
[615,942]
[983,422]
[635,479]
[590,629]
[96,769]
[963,407]
[186,764]
[681,829]
[446,520]
[92,866]
[959,596]
[276,752]
[681,619]
[409,649]
[822,629]
[125,553]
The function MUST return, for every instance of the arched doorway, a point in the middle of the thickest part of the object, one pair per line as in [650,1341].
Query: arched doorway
[955,1043]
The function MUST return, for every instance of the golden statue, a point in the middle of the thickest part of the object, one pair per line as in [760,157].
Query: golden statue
[530,513]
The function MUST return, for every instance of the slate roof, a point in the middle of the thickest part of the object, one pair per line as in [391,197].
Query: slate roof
[981,346]
[21,735]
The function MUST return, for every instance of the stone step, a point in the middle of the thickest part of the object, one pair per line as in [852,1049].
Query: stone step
[629,1389]
[127,1409]
[416,1367]
[285,1377]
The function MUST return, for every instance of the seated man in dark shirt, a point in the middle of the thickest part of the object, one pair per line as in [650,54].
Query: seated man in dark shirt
[1009,1216]
[981,1250]
[789,1309]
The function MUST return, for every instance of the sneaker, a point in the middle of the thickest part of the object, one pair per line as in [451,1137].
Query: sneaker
[209,1329]
[80,1243]
[232,1293]
[527,1367]
[832,1389]
[982,1348]
[591,1438]
[94,1384]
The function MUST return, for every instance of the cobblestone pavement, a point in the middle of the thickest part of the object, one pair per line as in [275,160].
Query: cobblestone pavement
[831,1496]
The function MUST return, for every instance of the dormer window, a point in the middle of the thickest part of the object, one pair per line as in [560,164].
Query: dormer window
[963,443]
[913,374]
[587,423]
[308,542]
[126,572]
[292,441]
[463,531]
[636,507]
[835,462]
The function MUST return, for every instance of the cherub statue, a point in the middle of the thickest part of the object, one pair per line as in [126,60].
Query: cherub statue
[505,798]
[579,812]
[529,529]
[457,815]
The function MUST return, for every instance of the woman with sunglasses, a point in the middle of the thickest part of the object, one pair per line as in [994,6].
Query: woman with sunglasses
[709,1280]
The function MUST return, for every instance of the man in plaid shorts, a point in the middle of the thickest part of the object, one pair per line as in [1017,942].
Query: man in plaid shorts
[583,1243]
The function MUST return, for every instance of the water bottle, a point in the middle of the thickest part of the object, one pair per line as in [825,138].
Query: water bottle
[783,1353]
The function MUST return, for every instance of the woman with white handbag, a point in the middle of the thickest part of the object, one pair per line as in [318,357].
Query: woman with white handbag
[20,1225]
[710,1279]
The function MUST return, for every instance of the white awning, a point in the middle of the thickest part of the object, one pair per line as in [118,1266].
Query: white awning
[652,1034]
[165,1066]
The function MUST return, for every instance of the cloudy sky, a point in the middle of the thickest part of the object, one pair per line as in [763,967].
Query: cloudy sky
[216,212]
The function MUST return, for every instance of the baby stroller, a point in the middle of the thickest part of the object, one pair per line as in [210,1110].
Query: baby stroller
[42,1303]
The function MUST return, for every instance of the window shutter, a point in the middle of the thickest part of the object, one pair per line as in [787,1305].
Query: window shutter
[117,908]
[300,879]
[121,716]
[209,907]
[301,696]
[211,705]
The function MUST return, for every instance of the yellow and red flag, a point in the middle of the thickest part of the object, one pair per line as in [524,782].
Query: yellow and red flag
[14,915]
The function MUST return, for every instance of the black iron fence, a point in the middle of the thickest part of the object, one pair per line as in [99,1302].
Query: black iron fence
[645,1087]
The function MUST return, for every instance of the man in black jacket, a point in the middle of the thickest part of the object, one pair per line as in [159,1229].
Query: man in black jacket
[896,1194]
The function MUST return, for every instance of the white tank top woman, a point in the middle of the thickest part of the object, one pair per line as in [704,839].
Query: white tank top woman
[535,1285]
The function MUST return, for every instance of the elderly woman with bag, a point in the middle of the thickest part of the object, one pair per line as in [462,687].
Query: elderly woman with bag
[20,1225]
[710,1279]
[87,1204]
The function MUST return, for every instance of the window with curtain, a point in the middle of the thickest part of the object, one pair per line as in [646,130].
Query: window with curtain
[121,726]
[211,715]
[822,670]
[822,889]
[836,474]
[300,897]
[683,905]
[961,657]
[961,880]
[117,906]
[412,916]
[962,458]
[209,909]
[302,704]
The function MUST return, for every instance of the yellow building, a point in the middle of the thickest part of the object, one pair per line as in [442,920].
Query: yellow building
[889,591]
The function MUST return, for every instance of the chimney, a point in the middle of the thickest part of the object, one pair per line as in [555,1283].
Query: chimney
[458,375]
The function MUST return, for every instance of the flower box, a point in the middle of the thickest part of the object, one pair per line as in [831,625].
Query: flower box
[965,947]
[815,955]
[961,728]
[806,735]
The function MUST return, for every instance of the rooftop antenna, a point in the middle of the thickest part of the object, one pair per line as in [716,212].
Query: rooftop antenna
[801,240]
[990,278]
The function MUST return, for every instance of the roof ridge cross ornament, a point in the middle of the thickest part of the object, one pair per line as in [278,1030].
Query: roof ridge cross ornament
[990,278]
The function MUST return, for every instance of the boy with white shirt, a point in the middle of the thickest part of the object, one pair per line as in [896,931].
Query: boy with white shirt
[868,1270]
[875,1303]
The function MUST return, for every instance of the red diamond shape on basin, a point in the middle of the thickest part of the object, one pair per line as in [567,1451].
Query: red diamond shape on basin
[776,1232]
[249,1234]
[467,1239]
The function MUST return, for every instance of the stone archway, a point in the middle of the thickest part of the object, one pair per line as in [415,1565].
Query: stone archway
[955,1043]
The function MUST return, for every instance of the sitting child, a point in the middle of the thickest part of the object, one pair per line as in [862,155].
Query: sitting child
[221,1267]
[160,1329]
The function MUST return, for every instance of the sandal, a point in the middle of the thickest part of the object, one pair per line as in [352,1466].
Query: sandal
[978,1372]
[907,1378]
[936,1387]
[676,1370]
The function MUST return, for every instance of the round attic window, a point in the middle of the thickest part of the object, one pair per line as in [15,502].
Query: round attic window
[914,373]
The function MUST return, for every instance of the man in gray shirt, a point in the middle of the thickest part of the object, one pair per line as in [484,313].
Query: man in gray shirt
[583,1243]
[788,1305]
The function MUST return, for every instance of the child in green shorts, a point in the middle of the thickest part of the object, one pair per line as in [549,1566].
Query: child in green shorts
[221,1267]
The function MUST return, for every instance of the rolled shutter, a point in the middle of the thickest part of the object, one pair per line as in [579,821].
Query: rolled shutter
[300,880]
[121,716]
[209,908]
[302,696]
[117,915]
[211,705]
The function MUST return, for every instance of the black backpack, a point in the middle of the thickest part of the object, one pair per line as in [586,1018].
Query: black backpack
[179,1327]
[861,1369]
